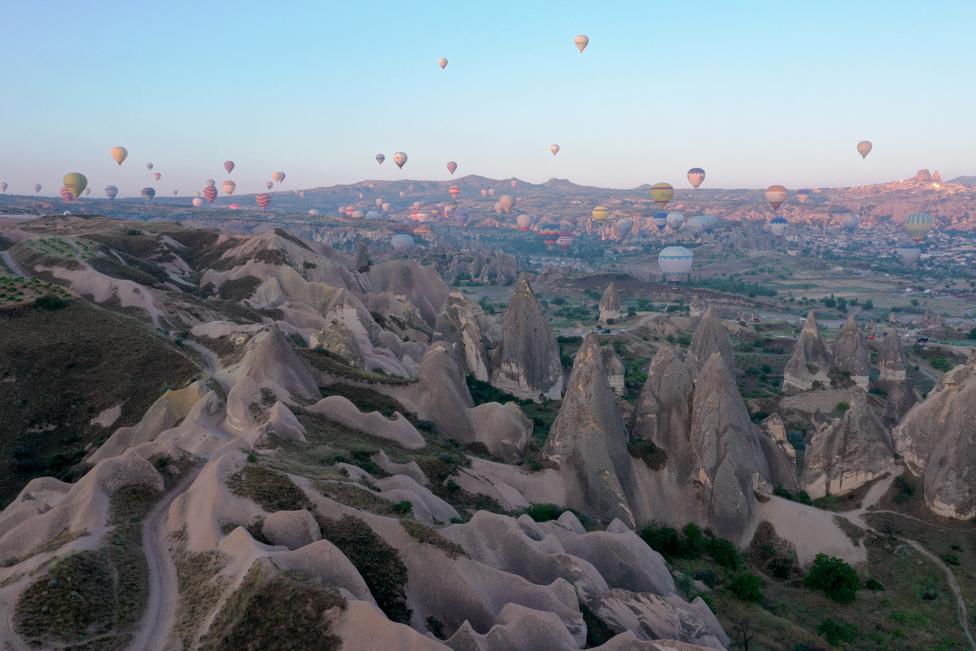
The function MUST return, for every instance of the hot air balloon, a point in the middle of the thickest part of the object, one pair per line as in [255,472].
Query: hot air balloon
[313,212]
[234,206]
[149,166]
[864,148]
[554,149]
[451,167]
[263,200]
[565,240]
[506,203]
[523,221]
[401,242]
[119,154]
[37,188]
[849,221]
[803,195]
[269,184]
[148,193]
[454,191]
[111,191]
[600,214]
[380,158]
[357,214]
[675,220]
[484,192]
[918,224]
[777,226]
[175,192]
[197,202]
[301,194]
[157,175]
[660,219]
[695,176]
[909,255]
[624,226]
[66,194]
[400,159]
[229,166]
[513,183]
[662,193]
[581,40]
[76,182]
[278,177]
[4,186]
[442,62]
[386,207]
[491,192]
[210,193]
[776,196]
[228,187]
[675,261]
[211,183]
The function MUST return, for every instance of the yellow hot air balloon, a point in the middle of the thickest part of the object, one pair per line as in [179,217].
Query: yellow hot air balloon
[600,214]
[119,154]
[662,194]
[776,196]
[75,182]
[918,224]
[864,148]
[581,40]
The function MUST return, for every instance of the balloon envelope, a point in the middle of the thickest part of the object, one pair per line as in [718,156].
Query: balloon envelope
[229,166]
[675,220]
[675,260]
[442,62]
[277,177]
[37,188]
[111,191]
[523,221]
[662,193]
[4,186]
[581,41]
[908,254]
[229,187]
[776,196]
[149,166]
[210,193]
[269,184]
[506,203]
[75,182]
[695,176]
[263,200]
[864,148]
[401,242]
[197,202]
[400,158]
[148,193]
[600,213]
[380,158]
[119,154]
[777,226]
[554,149]
[451,167]
[918,224]
[454,191]
[157,175]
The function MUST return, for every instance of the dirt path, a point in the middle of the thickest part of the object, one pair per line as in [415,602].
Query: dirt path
[160,615]
[856,517]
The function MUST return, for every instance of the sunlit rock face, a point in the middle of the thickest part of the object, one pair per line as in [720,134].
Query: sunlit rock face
[610,307]
[850,355]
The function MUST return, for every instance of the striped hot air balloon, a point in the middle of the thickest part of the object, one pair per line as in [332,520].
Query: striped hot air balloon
[600,214]
[451,167]
[695,176]
[66,194]
[263,200]
[777,226]
[918,224]
[210,193]
[229,166]
[662,193]
[675,261]
[776,196]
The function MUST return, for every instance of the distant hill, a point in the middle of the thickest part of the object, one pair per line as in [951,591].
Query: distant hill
[964,180]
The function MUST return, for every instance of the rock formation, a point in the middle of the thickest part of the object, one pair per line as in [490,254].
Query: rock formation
[362,257]
[663,411]
[588,442]
[849,452]
[810,364]
[725,447]
[891,358]
[610,308]
[614,368]
[850,355]
[901,398]
[527,358]
[710,337]
[467,329]
[779,452]
[696,310]
[937,440]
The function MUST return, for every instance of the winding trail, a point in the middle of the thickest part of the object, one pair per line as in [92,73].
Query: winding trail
[856,517]
[164,594]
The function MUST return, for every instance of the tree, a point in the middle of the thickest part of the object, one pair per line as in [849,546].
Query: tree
[834,577]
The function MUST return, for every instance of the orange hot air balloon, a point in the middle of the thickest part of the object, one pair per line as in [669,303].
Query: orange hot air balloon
[662,193]
[695,176]
[581,41]
[506,203]
[119,154]
[229,187]
[523,221]
[864,148]
[451,167]
[455,191]
[776,196]
[278,177]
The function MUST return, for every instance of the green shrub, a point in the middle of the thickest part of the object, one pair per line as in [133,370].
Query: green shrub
[724,553]
[834,577]
[50,302]
[747,587]
[664,540]
[835,631]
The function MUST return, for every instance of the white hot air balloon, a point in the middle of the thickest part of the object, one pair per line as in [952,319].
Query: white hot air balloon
[401,242]
[675,261]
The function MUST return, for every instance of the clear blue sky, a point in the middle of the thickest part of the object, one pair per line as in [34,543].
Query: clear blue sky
[754,92]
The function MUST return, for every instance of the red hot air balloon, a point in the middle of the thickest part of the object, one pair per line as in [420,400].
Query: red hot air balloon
[229,166]
[263,200]
[66,194]
[210,193]
[455,191]
[451,167]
